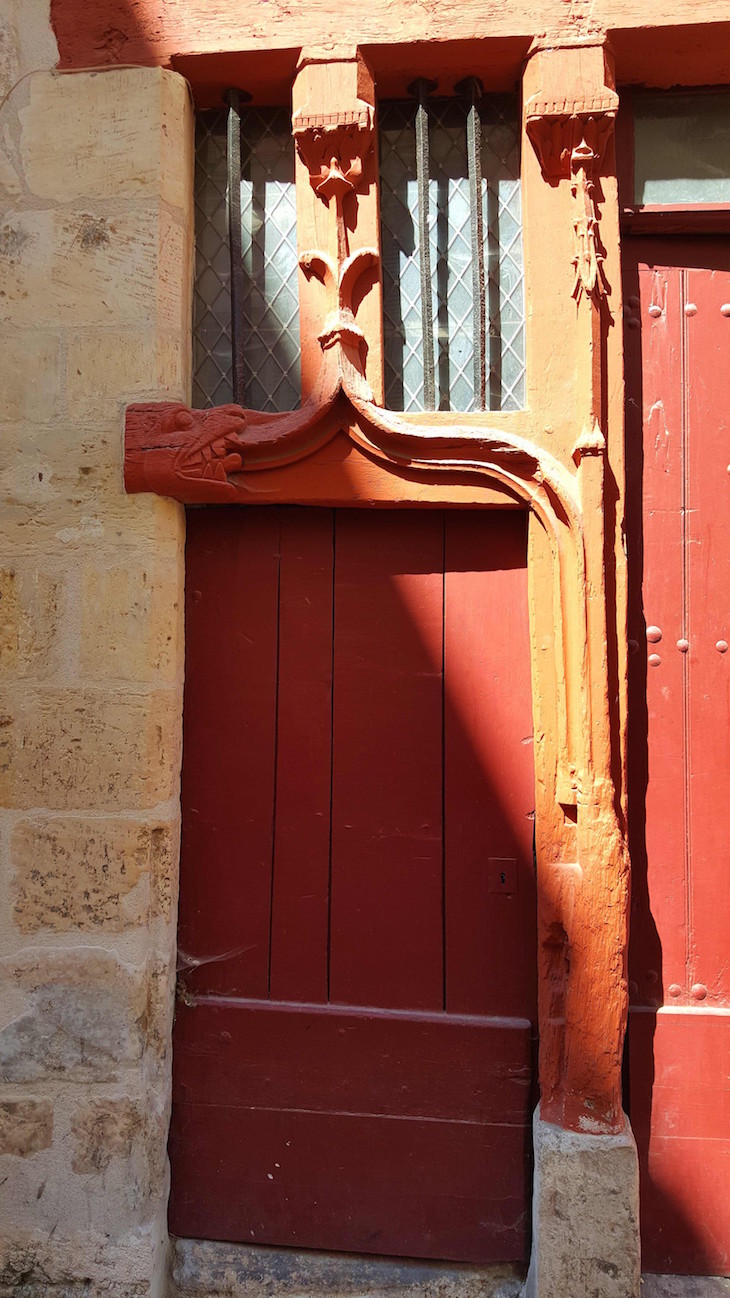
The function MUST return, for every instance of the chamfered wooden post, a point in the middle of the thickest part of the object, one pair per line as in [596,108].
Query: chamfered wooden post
[583,868]
[338,214]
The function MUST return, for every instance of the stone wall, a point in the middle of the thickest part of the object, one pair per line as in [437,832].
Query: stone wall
[95,275]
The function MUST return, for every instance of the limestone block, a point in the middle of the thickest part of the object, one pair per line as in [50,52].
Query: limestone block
[26,40]
[585,1213]
[69,749]
[26,1126]
[29,609]
[103,265]
[106,369]
[63,490]
[72,873]
[132,625]
[86,1017]
[106,134]
[30,371]
[104,1130]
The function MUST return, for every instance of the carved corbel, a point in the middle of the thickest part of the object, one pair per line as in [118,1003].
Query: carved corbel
[570,138]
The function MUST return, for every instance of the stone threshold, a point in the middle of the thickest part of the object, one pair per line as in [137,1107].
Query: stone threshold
[205,1269]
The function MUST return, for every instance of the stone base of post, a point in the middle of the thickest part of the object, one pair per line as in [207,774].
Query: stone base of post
[585,1215]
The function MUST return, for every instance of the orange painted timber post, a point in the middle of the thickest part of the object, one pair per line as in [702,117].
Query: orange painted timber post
[338,213]
[572,269]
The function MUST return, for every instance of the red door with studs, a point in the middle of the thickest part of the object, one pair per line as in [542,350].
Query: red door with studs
[356,995]
[677,293]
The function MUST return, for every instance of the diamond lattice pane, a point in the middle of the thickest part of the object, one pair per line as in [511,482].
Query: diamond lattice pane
[212,366]
[270,301]
[452,303]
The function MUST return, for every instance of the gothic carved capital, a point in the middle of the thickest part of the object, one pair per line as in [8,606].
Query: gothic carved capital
[570,139]
[556,127]
[570,111]
[333,147]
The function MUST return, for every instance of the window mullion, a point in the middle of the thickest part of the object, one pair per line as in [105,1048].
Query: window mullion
[421,88]
[473,88]
[233,158]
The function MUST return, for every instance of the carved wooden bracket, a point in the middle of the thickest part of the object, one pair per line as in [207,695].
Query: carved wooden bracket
[570,139]
[333,147]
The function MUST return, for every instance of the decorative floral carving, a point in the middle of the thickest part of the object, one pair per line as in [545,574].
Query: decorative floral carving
[335,148]
[340,329]
[570,139]
[588,259]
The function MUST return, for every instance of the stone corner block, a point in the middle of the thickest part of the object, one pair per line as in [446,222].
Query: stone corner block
[120,131]
[585,1215]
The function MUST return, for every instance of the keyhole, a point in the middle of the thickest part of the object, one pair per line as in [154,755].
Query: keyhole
[502,877]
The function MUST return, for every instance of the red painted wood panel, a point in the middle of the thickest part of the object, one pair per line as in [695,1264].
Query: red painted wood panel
[231,614]
[358,1183]
[679,745]
[331,1058]
[707,333]
[395,1133]
[386,923]
[488,767]
[300,898]
[654,441]
[316,645]
[680,1112]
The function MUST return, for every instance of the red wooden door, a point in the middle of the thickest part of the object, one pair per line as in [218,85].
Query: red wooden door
[678,438]
[352,1049]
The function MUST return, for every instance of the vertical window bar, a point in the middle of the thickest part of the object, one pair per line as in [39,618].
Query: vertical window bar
[233,154]
[473,89]
[420,88]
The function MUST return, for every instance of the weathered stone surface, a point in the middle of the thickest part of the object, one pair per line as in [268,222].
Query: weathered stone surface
[585,1214]
[29,613]
[26,1126]
[125,1140]
[26,40]
[105,369]
[104,1130]
[106,266]
[84,1265]
[211,1270]
[86,1017]
[132,621]
[67,749]
[97,240]
[62,492]
[30,365]
[684,1286]
[72,873]
[114,126]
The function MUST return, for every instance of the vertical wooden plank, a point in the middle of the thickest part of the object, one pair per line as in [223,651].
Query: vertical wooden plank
[231,603]
[680,1114]
[657,767]
[386,940]
[302,832]
[488,767]
[707,335]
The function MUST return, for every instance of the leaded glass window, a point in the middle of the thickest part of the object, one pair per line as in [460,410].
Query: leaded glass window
[269,316]
[682,148]
[270,302]
[450,237]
